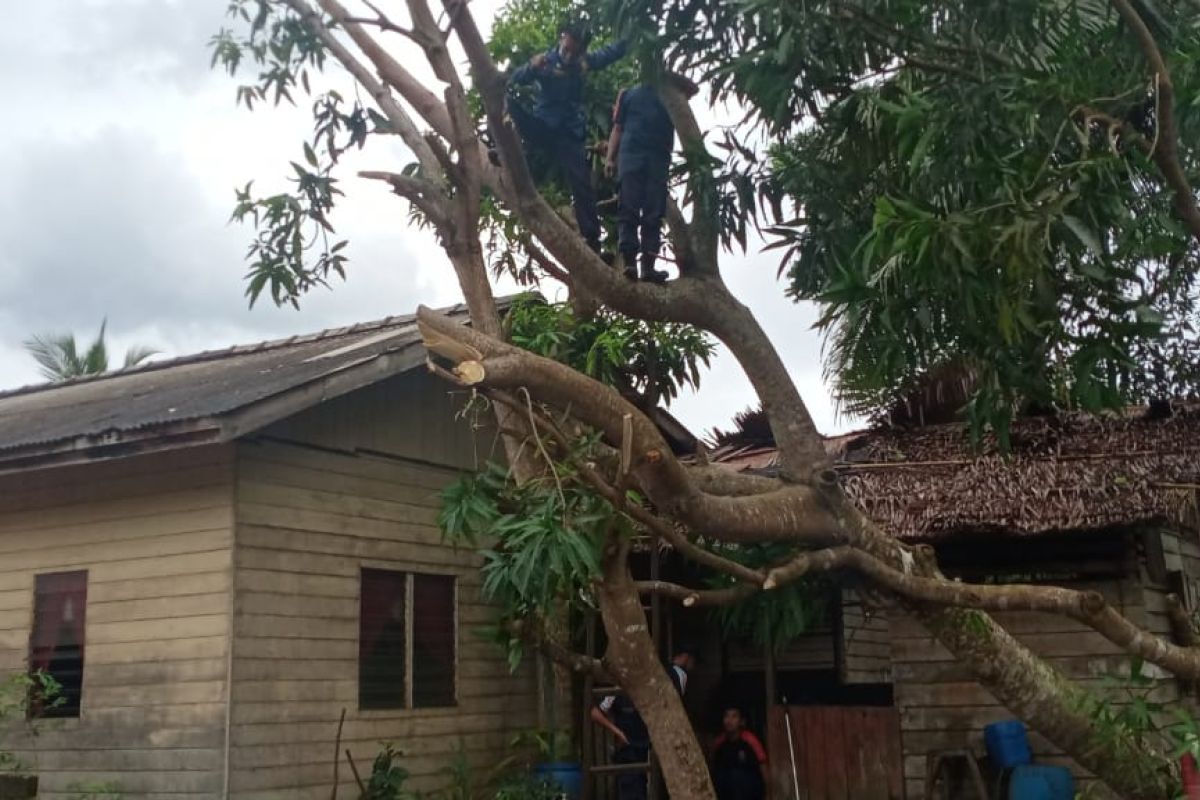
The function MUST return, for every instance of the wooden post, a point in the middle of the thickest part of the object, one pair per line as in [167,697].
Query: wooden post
[539,662]
[656,603]
[586,754]
[770,694]
[654,773]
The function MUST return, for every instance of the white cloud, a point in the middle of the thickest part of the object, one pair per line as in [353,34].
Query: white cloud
[119,175]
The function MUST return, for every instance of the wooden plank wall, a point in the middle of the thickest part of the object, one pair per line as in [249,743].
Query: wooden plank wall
[154,534]
[411,416]
[941,707]
[308,519]
[865,643]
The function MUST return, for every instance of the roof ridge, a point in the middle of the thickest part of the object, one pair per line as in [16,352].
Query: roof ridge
[242,349]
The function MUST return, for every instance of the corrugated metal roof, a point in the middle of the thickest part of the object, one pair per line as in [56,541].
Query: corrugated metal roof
[183,394]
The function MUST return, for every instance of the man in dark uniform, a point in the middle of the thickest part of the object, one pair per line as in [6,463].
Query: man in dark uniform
[617,714]
[639,152]
[739,762]
[556,126]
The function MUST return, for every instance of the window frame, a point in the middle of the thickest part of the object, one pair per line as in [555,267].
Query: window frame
[407,575]
[33,710]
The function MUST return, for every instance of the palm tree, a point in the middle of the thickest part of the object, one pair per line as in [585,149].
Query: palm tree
[61,359]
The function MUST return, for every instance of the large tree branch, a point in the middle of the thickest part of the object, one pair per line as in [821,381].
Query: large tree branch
[1087,607]
[1165,150]
[397,117]
[418,191]
[576,662]
[703,234]
[790,512]
[393,73]
[698,597]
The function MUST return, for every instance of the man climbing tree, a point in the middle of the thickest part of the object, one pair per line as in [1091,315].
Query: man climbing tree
[1088,231]
[556,128]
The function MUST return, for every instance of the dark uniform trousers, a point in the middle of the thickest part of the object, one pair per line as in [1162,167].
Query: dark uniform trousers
[642,204]
[565,150]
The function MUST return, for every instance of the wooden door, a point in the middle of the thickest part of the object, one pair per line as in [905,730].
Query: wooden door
[841,753]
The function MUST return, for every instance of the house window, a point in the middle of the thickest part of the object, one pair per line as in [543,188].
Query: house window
[433,641]
[407,639]
[56,644]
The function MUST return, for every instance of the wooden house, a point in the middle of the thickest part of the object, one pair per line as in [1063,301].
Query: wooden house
[1103,502]
[218,554]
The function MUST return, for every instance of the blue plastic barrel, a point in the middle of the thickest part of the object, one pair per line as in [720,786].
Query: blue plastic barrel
[566,775]
[1041,782]
[1007,744]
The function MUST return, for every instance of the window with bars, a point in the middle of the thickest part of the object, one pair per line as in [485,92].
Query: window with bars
[56,643]
[407,640]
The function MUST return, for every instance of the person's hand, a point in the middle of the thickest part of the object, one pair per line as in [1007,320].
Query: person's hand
[610,167]
[538,61]
[621,738]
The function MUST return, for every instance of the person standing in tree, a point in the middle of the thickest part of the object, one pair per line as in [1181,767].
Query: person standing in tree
[617,714]
[556,126]
[739,762]
[639,153]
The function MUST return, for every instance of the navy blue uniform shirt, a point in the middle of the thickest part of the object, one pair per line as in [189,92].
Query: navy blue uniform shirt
[560,102]
[647,134]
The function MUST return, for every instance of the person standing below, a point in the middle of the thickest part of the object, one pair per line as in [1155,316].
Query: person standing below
[639,153]
[617,714]
[557,126]
[739,762]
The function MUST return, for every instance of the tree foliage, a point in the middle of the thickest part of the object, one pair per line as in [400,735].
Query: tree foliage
[948,183]
[62,358]
[653,359]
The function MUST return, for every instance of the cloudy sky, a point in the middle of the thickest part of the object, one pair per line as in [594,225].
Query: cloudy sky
[119,161]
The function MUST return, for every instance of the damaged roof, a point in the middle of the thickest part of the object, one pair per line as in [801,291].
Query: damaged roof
[208,397]
[1069,473]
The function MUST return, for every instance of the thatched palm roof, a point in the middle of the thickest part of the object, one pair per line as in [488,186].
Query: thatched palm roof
[1064,474]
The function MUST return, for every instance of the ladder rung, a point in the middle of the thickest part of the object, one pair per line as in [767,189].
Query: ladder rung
[609,769]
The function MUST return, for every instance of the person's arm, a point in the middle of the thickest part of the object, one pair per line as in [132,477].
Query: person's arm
[601,719]
[604,56]
[614,146]
[614,138]
[527,72]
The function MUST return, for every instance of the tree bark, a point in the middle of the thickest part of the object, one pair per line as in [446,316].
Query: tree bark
[632,660]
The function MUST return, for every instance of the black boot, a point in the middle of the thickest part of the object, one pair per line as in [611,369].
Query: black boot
[649,273]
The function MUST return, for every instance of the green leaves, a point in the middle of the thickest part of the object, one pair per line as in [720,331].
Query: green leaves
[292,251]
[540,541]
[953,210]
[777,617]
[289,227]
[653,359]
[278,42]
